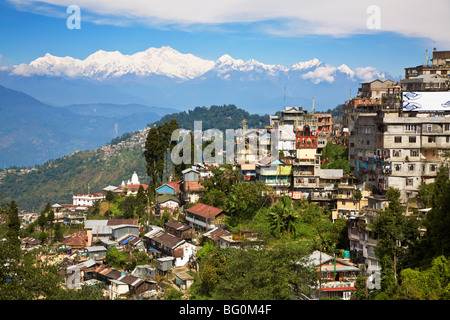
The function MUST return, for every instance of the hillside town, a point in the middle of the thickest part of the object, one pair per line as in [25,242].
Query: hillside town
[397,135]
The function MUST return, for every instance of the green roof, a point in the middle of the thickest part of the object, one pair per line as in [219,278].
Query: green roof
[167,197]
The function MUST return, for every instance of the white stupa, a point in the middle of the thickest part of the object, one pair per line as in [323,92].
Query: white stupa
[135,178]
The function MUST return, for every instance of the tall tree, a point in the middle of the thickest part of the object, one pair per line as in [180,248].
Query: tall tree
[110,198]
[158,146]
[357,195]
[395,232]
[12,234]
[437,220]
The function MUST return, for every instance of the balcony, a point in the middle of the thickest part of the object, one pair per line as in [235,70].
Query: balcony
[303,173]
[338,284]
[342,197]
[278,184]
[321,198]
[203,224]
[304,162]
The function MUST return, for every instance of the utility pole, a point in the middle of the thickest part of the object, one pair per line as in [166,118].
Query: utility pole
[320,272]
[365,275]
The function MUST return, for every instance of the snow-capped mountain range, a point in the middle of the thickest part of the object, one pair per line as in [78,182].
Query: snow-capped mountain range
[166,61]
[165,77]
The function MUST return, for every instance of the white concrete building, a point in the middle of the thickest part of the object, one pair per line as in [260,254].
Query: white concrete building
[87,200]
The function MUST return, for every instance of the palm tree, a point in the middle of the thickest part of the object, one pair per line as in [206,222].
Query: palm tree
[283,217]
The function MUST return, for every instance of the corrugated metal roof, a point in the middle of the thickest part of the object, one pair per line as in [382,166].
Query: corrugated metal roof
[113,274]
[176,225]
[95,248]
[167,240]
[115,222]
[204,210]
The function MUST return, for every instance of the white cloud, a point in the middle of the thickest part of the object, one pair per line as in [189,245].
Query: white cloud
[368,73]
[324,73]
[411,18]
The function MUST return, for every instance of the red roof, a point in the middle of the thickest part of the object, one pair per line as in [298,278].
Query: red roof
[174,184]
[78,238]
[135,186]
[193,186]
[204,210]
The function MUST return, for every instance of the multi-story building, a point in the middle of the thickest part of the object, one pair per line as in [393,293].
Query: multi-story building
[362,239]
[376,89]
[305,172]
[429,77]
[394,148]
[402,145]
[87,200]
[253,145]
[275,173]
[288,124]
[440,65]
[370,96]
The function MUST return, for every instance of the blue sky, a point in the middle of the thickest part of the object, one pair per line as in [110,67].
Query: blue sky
[30,29]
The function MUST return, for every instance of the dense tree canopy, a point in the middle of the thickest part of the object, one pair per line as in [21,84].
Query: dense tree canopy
[335,156]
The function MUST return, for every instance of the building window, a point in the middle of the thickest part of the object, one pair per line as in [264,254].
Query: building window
[411,167]
[431,139]
[398,139]
[409,182]
[433,167]
[398,167]
[414,153]
[447,127]
[396,153]
[429,128]
[447,139]
[412,139]
[410,128]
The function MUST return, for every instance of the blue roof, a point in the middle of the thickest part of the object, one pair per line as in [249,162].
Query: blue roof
[165,188]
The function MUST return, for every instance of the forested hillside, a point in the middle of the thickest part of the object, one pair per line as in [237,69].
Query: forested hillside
[57,180]
[217,117]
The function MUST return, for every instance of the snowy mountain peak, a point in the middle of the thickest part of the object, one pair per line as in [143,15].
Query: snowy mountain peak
[168,62]
[303,65]
[228,60]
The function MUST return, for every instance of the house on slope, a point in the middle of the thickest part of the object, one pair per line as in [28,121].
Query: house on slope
[165,244]
[203,217]
[167,202]
[170,187]
[337,276]
[99,230]
[191,187]
[275,173]
[179,229]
